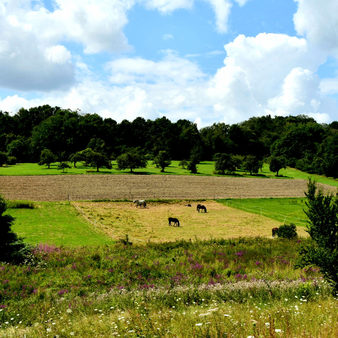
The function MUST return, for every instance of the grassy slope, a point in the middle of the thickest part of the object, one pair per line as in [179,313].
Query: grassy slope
[284,210]
[55,223]
[205,168]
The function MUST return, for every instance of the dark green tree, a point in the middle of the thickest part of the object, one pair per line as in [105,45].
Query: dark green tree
[12,248]
[98,160]
[63,166]
[322,251]
[252,164]
[47,157]
[132,159]
[224,162]
[3,158]
[162,160]
[277,163]
[76,157]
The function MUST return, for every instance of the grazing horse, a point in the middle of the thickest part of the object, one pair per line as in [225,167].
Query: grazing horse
[201,207]
[140,203]
[173,220]
[274,232]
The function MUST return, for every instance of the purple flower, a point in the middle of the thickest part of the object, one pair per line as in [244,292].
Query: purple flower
[239,253]
[62,292]
[258,263]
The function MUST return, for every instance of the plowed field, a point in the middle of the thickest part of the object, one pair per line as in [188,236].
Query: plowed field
[86,187]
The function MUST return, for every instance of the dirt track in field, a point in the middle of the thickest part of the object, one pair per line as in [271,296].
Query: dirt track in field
[86,187]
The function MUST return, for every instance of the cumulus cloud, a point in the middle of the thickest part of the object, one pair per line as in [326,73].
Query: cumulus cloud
[28,64]
[317,20]
[170,69]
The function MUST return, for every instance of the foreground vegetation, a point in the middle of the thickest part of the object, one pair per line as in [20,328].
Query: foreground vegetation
[243,287]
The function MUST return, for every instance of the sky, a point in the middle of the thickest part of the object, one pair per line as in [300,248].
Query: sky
[207,61]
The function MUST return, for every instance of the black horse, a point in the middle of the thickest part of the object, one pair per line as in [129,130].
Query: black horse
[174,220]
[201,207]
[274,232]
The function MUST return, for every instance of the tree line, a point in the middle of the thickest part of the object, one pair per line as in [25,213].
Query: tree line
[296,141]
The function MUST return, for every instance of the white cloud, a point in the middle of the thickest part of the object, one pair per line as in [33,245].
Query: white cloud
[168,6]
[318,21]
[222,11]
[26,63]
[241,2]
[170,69]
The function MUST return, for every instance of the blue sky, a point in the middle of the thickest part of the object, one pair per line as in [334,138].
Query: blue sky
[204,60]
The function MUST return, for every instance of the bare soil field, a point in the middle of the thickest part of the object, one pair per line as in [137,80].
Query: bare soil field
[114,187]
[118,219]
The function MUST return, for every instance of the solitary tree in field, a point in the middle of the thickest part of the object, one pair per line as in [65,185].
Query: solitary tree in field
[162,160]
[252,164]
[76,157]
[132,159]
[12,248]
[63,165]
[98,160]
[322,251]
[224,162]
[277,163]
[47,157]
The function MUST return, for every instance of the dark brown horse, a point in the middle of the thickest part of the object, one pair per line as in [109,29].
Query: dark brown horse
[274,232]
[201,207]
[174,220]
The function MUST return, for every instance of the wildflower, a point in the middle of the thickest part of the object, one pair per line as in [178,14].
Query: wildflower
[278,330]
[49,329]
[69,311]
[239,253]
[199,324]
[267,324]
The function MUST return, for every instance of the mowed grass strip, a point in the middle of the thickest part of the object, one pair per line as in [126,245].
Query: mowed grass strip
[57,224]
[204,168]
[118,219]
[284,210]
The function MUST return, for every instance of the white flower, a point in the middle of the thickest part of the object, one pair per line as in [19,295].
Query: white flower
[278,330]
[49,329]
[199,324]
[267,324]
[69,311]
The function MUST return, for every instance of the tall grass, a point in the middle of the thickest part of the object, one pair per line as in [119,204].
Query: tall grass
[187,289]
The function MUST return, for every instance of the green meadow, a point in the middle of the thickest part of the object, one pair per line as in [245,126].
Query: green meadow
[55,224]
[285,210]
[205,168]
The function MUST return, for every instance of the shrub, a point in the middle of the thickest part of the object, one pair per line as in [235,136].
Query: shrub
[322,251]
[287,231]
[12,248]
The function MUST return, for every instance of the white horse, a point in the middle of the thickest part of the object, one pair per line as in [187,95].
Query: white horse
[140,203]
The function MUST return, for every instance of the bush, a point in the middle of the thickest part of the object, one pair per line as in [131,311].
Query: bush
[287,231]
[12,248]
[322,251]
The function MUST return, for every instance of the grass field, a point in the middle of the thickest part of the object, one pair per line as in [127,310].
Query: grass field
[205,168]
[99,223]
[57,224]
[284,210]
